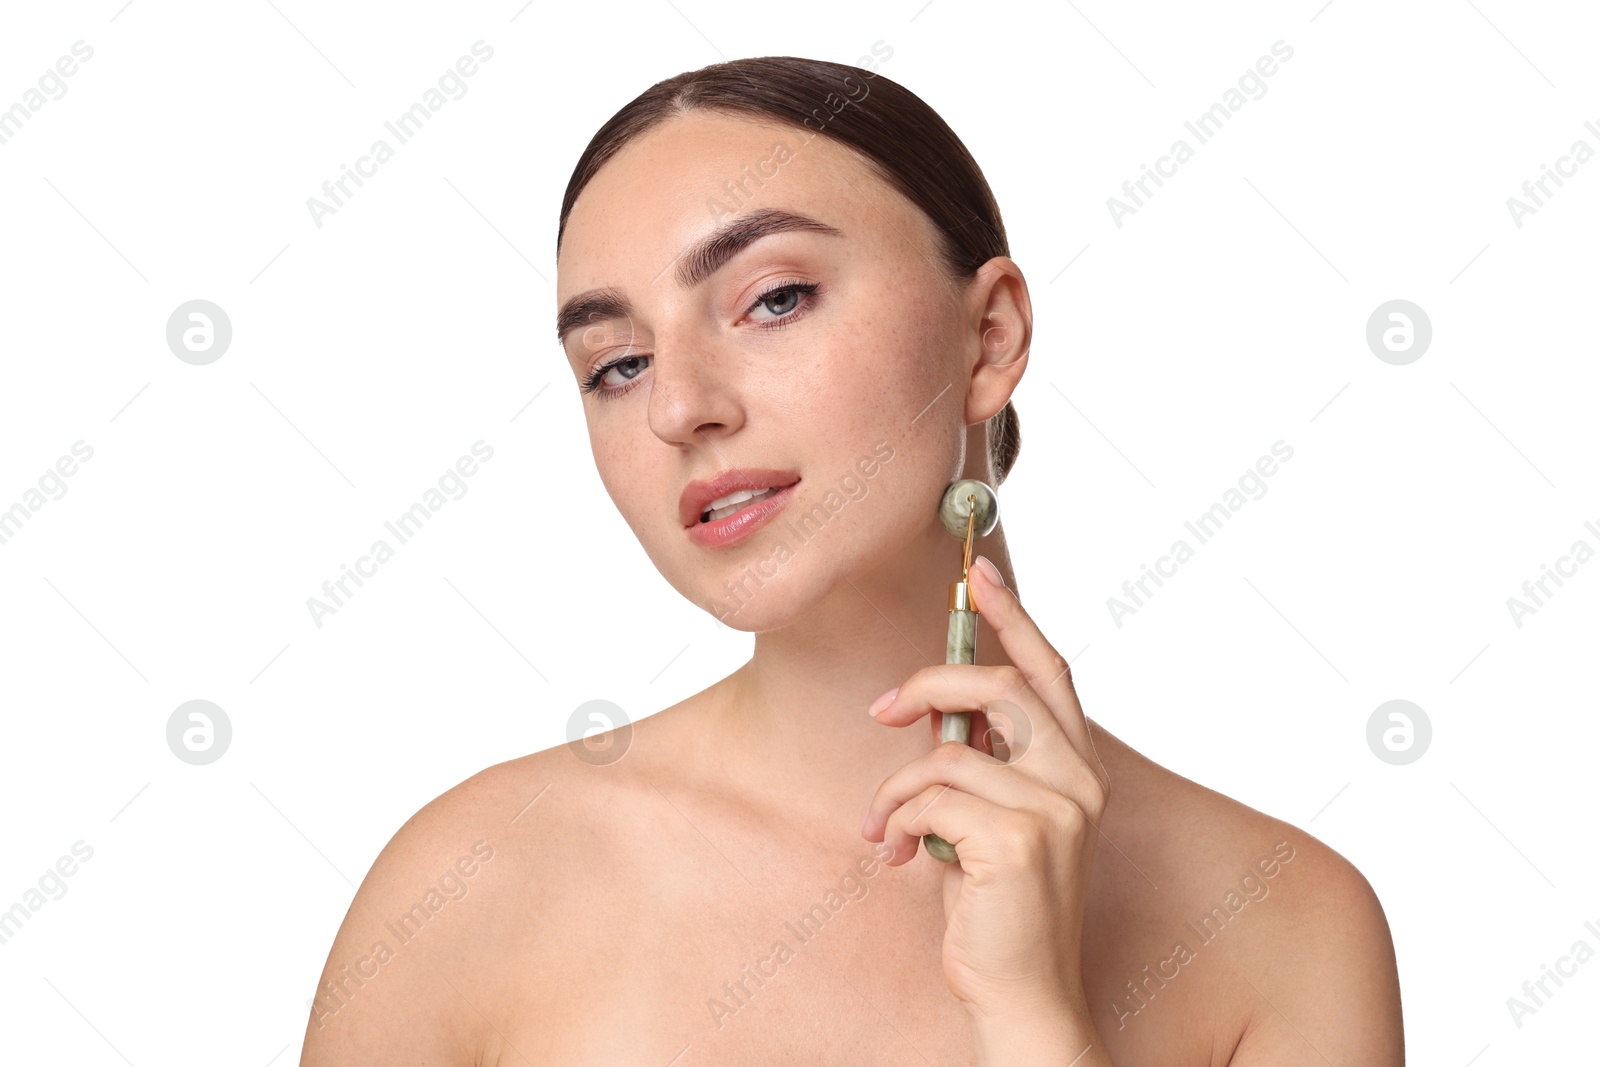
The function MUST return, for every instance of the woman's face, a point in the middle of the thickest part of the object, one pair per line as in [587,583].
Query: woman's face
[837,352]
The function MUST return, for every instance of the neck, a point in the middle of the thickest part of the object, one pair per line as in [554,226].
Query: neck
[793,720]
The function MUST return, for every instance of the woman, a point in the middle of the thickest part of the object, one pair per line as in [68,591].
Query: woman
[786,296]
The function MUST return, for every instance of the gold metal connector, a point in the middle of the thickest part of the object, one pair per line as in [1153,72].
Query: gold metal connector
[961,597]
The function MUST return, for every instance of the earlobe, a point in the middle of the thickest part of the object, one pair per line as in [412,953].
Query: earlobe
[992,385]
[1002,357]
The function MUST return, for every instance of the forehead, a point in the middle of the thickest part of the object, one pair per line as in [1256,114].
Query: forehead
[693,173]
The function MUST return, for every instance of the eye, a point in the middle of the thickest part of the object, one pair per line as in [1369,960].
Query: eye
[787,296]
[626,364]
[785,302]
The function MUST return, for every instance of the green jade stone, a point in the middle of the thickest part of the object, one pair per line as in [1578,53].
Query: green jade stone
[960,645]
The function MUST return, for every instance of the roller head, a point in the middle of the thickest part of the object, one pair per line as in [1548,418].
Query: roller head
[953,508]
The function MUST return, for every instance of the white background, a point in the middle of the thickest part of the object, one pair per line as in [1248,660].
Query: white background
[368,354]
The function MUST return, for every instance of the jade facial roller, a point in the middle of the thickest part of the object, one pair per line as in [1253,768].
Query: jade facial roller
[968,509]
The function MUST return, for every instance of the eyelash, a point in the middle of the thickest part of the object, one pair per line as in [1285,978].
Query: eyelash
[807,289]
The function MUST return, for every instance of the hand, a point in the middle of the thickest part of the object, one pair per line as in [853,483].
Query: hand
[1024,829]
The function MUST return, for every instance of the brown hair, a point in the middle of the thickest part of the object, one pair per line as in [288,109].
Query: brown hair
[904,139]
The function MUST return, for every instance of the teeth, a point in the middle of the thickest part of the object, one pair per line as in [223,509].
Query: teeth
[722,507]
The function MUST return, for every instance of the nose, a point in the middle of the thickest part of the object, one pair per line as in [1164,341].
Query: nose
[690,393]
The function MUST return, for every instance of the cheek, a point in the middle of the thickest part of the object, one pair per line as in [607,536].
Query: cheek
[636,494]
[886,378]
[880,371]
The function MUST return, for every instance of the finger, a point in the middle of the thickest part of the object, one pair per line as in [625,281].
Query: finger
[958,815]
[1001,692]
[954,765]
[968,687]
[1045,669]
[983,835]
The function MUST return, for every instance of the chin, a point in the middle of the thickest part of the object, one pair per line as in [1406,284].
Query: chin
[788,568]
[758,593]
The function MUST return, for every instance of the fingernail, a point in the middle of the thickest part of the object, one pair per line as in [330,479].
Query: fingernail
[990,571]
[883,701]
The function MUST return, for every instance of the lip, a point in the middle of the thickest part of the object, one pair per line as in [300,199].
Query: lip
[741,524]
[697,495]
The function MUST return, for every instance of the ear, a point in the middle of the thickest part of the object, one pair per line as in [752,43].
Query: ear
[1001,329]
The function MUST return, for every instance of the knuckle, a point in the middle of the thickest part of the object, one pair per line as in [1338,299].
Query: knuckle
[891,826]
[1011,679]
[895,827]
[951,753]
[1094,791]
[1073,817]
[1027,835]
[1097,796]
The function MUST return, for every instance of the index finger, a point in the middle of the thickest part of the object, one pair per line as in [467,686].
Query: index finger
[1044,669]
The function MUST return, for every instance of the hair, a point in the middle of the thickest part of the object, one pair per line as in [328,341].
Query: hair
[891,128]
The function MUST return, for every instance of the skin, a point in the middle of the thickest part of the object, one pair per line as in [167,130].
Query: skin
[731,813]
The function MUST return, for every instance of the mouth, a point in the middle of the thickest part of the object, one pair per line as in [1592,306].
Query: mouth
[731,518]
[736,502]
[708,501]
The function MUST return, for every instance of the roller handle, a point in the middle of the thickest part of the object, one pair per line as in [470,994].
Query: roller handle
[960,647]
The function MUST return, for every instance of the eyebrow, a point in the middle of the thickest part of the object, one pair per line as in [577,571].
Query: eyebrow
[695,264]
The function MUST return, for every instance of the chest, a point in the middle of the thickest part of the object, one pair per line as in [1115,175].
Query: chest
[810,966]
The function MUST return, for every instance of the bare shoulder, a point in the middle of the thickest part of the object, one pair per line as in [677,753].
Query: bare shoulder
[1292,934]
[403,982]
